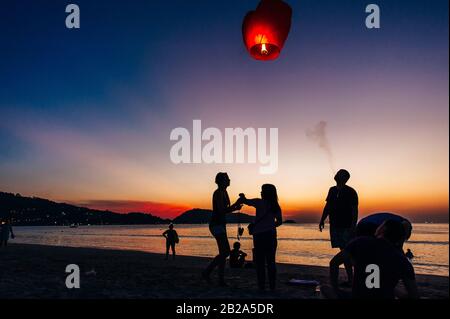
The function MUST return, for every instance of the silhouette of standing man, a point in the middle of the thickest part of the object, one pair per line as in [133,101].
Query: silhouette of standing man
[171,236]
[342,210]
[218,228]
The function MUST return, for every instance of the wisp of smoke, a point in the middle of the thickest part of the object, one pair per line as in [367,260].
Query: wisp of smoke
[319,135]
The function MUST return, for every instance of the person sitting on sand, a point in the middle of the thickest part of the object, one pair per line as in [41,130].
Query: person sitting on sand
[218,226]
[264,231]
[237,256]
[409,255]
[5,231]
[171,240]
[342,209]
[381,251]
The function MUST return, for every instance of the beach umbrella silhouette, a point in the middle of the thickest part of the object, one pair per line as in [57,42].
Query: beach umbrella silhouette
[266,29]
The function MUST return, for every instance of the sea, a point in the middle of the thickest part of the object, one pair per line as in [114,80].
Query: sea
[297,243]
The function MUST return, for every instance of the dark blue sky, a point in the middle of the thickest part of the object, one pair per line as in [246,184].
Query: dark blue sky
[42,60]
[136,69]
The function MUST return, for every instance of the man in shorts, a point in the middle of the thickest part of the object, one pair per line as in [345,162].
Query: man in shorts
[342,209]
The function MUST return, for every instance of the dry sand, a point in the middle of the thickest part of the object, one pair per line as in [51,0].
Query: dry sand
[34,271]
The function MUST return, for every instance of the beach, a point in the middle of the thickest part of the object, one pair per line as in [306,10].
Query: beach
[299,244]
[38,272]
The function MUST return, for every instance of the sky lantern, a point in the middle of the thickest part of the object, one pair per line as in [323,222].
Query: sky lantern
[266,29]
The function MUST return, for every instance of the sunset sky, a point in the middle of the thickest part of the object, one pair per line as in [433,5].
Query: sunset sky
[86,114]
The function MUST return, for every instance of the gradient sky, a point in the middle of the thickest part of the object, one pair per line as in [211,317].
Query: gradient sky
[86,114]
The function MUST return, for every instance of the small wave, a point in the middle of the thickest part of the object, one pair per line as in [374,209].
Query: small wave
[417,242]
[430,265]
[190,236]
[133,235]
[304,239]
[427,242]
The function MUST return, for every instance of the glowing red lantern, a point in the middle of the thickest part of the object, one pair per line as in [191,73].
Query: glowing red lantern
[266,29]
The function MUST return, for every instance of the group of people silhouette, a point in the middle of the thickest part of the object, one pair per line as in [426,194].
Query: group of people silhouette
[263,229]
[375,240]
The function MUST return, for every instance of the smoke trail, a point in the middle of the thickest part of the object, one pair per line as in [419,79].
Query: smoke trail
[319,135]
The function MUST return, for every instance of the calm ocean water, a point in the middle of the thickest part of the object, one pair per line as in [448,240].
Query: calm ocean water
[297,244]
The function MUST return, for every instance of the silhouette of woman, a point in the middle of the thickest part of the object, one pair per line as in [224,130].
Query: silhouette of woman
[217,226]
[268,218]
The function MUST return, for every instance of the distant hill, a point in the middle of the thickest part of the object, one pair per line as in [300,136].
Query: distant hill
[35,211]
[202,216]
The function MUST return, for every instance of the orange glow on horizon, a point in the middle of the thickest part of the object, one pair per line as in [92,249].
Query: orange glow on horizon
[308,209]
[162,210]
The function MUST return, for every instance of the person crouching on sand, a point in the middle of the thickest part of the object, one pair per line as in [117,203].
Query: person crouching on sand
[389,265]
[5,230]
[369,224]
[171,240]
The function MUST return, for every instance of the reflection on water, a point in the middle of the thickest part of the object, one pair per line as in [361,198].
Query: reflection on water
[297,244]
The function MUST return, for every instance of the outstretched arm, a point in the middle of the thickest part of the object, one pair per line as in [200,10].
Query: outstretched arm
[222,207]
[249,202]
[236,206]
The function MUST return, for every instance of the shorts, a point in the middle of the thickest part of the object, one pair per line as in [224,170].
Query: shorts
[340,237]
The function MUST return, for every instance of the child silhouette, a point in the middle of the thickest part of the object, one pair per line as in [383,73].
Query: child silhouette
[237,256]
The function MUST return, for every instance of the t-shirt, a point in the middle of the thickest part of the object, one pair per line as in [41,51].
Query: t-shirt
[341,204]
[220,203]
[392,263]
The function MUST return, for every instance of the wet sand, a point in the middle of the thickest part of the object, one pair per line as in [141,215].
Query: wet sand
[35,271]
